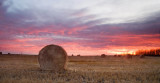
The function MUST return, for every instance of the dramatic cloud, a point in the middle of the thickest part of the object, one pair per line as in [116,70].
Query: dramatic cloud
[80,26]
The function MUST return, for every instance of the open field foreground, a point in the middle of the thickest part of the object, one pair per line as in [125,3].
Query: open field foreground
[82,69]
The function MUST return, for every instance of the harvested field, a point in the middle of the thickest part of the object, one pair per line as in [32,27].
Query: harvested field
[81,69]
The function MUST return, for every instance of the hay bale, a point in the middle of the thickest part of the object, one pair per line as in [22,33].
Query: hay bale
[103,55]
[52,57]
[119,55]
[115,55]
[0,53]
[128,56]
[78,55]
[141,56]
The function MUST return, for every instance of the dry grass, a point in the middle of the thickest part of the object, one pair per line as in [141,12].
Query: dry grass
[25,69]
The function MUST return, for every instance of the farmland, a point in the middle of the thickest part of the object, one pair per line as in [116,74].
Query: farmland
[81,69]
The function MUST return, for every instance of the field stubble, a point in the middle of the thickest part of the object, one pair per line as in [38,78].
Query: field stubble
[82,69]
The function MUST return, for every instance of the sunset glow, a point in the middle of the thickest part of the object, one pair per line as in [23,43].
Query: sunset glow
[86,27]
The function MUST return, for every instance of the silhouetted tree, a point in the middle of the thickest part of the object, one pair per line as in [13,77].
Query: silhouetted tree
[152,52]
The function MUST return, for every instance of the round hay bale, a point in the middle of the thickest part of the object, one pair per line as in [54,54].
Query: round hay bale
[115,55]
[141,56]
[119,55]
[128,56]
[52,57]
[78,55]
[103,55]
[0,53]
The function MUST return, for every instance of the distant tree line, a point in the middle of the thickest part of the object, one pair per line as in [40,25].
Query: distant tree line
[152,52]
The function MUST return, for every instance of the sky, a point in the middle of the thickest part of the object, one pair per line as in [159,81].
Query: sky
[86,27]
